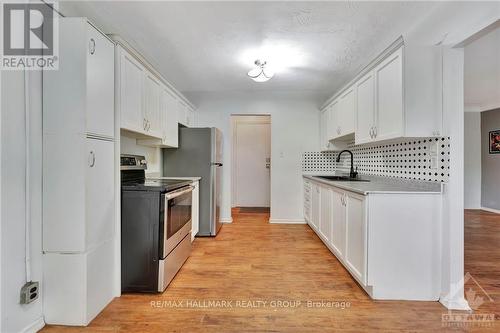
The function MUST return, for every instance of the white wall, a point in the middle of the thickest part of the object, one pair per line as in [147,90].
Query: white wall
[294,129]
[16,317]
[482,72]
[472,160]
[128,145]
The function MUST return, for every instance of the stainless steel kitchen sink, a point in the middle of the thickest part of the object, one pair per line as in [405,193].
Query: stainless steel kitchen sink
[343,179]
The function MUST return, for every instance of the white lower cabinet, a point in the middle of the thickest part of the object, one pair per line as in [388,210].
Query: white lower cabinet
[307,201]
[77,286]
[355,235]
[315,206]
[325,221]
[337,239]
[387,241]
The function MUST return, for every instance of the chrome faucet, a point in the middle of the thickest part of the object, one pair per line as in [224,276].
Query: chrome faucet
[352,174]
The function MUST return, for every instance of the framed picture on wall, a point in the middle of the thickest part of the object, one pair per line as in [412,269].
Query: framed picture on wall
[495,142]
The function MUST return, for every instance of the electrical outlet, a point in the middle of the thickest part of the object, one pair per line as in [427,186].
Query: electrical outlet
[434,153]
[29,292]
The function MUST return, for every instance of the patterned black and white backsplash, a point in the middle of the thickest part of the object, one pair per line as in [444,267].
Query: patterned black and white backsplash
[407,159]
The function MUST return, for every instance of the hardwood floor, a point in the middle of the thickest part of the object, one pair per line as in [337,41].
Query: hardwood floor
[252,260]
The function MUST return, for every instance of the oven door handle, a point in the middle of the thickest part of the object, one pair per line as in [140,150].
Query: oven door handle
[177,193]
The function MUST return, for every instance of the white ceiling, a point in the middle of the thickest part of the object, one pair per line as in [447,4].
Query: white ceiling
[208,46]
[482,72]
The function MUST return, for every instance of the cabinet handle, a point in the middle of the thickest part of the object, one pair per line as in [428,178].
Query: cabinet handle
[371,132]
[92,46]
[374,131]
[91,159]
[144,123]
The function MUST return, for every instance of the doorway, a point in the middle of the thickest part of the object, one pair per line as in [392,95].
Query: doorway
[251,161]
[481,165]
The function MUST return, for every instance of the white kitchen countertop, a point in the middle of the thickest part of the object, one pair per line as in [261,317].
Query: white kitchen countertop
[194,179]
[379,184]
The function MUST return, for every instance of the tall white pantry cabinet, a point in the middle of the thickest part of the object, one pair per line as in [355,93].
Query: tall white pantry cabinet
[78,176]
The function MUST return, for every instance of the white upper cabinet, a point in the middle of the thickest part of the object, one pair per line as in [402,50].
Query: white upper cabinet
[346,113]
[152,90]
[84,83]
[398,95]
[324,121]
[130,99]
[185,114]
[365,115]
[170,123]
[78,141]
[100,83]
[148,106]
[389,98]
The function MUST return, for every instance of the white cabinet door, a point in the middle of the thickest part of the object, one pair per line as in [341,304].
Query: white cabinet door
[365,95]
[171,123]
[356,239]
[100,84]
[389,97]
[337,238]
[325,222]
[324,127]
[346,112]
[333,121]
[100,187]
[131,94]
[182,115]
[307,201]
[316,206]
[152,88]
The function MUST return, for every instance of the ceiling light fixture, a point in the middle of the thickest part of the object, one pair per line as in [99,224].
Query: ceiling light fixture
[260,73]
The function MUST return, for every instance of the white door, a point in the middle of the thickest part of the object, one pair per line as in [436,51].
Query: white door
[252,149]
[355,254]
[325,222]
[152,105]
[171,129]
[347,112]
[131,94]
[338,224]
[100,84]
[316,206]
[389,97]
[100,203]
[365,108]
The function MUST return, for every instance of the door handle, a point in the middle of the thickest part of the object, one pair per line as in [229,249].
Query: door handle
[91,159]
[92,46]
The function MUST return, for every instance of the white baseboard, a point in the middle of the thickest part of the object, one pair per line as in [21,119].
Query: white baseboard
[491,210]
[287,221]
[455,304]
[35,326]
[226,220]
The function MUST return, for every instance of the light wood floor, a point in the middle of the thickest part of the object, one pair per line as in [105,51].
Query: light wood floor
[251,260]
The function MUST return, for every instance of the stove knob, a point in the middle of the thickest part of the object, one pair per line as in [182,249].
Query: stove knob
[143,162]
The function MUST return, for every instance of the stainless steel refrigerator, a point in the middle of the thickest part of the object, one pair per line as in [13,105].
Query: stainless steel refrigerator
[200,155]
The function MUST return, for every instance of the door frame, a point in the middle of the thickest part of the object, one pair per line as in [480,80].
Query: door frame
[246,118]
